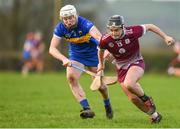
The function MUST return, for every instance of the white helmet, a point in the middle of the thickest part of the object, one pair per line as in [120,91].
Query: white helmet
[68,10]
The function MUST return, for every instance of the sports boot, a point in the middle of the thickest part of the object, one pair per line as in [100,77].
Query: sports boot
[87,113]
[109,112]
[157,119]
[150,105]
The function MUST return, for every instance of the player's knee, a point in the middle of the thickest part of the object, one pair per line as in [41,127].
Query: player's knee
[72,80]
[129,85]
[103,88]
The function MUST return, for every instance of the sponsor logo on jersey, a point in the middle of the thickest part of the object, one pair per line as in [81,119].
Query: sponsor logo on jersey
[80,33]
[81,39]
[122,50]
[111,44]
[127,41]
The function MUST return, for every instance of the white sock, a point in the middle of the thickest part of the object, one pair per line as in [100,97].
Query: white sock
[25,70]
[154,115]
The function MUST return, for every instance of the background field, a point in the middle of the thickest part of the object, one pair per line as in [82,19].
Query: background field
[46,101]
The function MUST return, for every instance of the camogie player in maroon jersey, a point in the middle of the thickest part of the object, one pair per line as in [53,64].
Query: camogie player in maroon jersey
[123,44]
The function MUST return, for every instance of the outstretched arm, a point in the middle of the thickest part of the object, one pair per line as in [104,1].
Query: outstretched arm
[150,27]
[173,62]
[56,53]
[95,33]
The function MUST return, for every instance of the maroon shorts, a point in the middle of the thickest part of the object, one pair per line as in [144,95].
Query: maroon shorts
[122,72]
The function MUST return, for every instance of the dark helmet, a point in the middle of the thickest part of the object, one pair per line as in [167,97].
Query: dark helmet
[116,21]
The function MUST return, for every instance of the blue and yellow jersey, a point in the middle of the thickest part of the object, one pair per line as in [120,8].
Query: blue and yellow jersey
[81,43]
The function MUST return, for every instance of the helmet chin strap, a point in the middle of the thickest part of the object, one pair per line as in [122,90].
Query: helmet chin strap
[123,32]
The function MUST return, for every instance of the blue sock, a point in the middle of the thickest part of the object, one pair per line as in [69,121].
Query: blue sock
[106,102]
[84,103]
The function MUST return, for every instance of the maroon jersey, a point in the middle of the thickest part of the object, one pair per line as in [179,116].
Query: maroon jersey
[126,48]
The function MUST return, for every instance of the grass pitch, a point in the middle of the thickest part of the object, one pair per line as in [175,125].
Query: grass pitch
[45,101]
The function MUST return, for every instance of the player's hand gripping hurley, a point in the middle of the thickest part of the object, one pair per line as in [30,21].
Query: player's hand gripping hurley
[98,80]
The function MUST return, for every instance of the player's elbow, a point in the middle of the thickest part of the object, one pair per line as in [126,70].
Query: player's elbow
[51,51]
[149,26]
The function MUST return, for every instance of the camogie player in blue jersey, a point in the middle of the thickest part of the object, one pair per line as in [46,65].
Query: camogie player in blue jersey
[83,38]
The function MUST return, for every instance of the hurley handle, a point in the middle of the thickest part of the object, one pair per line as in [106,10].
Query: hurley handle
[83,70]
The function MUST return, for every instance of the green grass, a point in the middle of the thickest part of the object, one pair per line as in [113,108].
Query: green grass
[45,100]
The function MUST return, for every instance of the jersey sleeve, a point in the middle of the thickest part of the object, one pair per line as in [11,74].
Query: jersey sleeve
[102,43]
[58,31]
[27,46]
[139,31]
[87,25]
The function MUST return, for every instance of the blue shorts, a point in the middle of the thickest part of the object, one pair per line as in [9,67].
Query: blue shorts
[26,55]
[91,61]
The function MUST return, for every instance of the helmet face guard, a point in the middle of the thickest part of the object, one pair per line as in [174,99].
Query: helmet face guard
[116,21]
